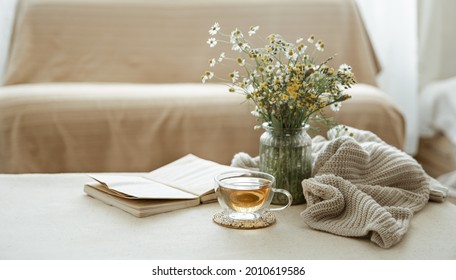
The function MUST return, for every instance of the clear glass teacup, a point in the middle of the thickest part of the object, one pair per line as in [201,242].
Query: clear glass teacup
[246,195]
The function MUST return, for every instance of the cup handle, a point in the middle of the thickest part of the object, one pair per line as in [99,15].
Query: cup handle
[285,192]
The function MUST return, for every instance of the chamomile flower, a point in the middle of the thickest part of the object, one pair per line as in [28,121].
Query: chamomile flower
[302,49]
[236,35]
[320,46]
[207,76]
[234,76]
[211,42]
[221,57]
[311,39]
[290,54]
[214,29]
[340,87]
[245,82]
[336,106]
[255,113]
[240,61]
[253,30]
[345,69]
[240,46]
[212,62]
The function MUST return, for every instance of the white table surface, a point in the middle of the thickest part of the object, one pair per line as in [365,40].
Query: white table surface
[48,216]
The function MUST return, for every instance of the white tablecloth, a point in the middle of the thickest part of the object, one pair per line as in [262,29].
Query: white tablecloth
[46,216]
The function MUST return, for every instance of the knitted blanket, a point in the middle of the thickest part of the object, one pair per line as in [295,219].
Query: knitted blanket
[362,186]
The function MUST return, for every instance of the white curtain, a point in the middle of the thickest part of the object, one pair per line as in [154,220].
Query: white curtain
[437,45]
[7,10]
[437,40]
[392,26]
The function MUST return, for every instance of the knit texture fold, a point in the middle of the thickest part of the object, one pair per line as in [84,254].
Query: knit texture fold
[361,187]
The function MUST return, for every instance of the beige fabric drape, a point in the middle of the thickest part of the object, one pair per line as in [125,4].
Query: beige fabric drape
[164,41]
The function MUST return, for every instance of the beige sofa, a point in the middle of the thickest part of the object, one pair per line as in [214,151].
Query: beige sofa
[116,85]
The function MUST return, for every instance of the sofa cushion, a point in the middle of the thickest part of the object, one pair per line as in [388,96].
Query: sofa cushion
[119,127]
[78,127]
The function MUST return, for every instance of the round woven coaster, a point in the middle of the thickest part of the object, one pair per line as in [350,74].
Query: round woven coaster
[265,220]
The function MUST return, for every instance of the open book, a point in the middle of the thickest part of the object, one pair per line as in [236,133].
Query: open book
[186,182]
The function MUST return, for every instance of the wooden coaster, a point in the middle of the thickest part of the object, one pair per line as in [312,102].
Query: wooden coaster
[265,220]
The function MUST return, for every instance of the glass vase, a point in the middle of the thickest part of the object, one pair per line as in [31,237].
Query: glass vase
[287,155]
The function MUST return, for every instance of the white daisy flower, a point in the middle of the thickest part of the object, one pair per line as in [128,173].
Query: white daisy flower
[207,76]
[240,61]
[340,87]
[345,69]
[290,54]
[336,106]
[320,46]
[235,36]
[253,30]
[255,114]
[245,82]
[212,62]
[236,48]
[302,49]
[212,42]
[214,29]
[221,57]
[234,76]
[311,39]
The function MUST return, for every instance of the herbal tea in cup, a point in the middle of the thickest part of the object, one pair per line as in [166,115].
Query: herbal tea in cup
[246,195]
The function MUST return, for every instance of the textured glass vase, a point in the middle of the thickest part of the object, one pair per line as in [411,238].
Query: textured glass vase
[287,155]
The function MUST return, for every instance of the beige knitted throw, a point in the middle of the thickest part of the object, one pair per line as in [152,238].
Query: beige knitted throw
[361,186]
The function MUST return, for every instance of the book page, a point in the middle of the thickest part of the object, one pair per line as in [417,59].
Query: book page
[190,173]
[137,207]
[136,187]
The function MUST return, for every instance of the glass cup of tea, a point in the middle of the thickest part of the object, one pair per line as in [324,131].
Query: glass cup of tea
[246,195]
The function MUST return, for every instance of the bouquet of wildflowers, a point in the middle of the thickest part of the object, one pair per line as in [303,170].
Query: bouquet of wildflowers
[283,79]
